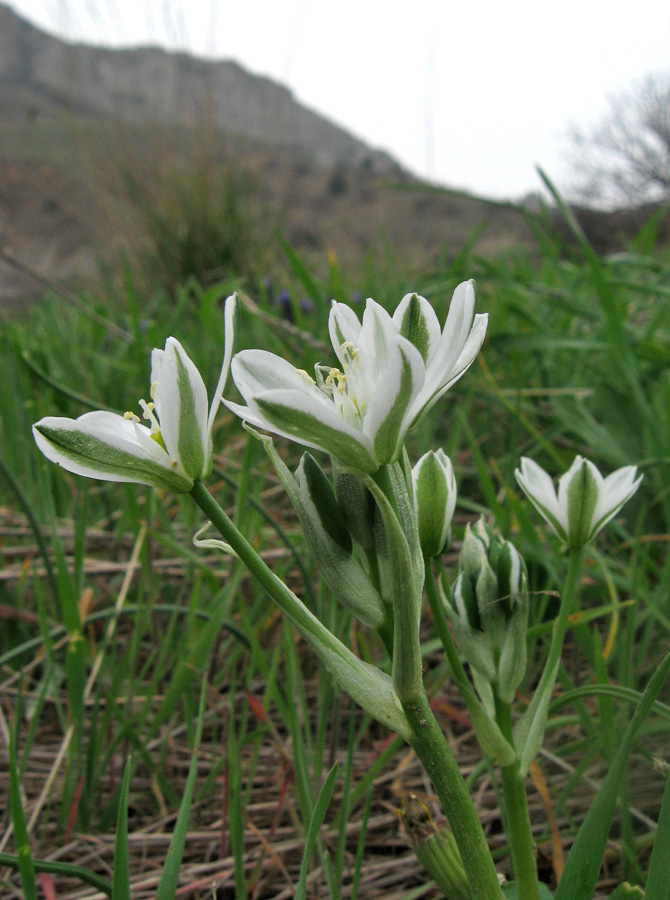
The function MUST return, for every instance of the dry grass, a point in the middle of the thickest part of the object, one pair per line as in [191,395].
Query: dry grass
[273,834]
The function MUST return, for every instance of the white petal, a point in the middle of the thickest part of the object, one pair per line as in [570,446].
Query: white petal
[564,483]
[230,317]
[156,377]
[456,329]
[113,429]
[343,326]
[183,406]
[399,385]
[255,371]
[430,323]
[616,490]
[534,480]
[376,334]
[305,419]
[116,454]
[438,381]
[540,490]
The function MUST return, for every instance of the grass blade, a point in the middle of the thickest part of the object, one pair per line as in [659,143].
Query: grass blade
[322,803]
[121,878]
[25,859]
[658,882]
[167,887]
[584,861]
[67,870]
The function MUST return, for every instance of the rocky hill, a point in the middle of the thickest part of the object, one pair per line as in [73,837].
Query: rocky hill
[90,138]
[146,84]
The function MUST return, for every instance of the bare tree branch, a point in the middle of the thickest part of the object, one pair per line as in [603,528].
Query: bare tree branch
[625,158]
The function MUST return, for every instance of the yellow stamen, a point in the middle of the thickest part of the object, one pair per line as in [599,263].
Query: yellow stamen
[131,416]
[305,376]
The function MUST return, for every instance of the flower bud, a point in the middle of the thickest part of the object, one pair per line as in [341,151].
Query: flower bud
[435,847]
[313,482]
[357,506]
[490,609]
[435,496]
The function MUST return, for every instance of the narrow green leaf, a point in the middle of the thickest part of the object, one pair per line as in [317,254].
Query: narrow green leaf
[303,273]
[65,869]
[658,882]
[25,860]
[315,824]
[585,858]
[167,886]
[121,877]
[510,892]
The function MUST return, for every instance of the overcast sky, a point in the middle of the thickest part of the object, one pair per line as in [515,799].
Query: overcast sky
[472,95]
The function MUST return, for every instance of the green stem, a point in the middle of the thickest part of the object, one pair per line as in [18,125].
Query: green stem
[530,731]
[440,619]
[365,683]
[305,621]
[519,834]
[418,724]
[565,610]
[489,735]
[440,763]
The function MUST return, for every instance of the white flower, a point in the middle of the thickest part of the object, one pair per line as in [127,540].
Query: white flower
[176,446]
[391,371]
[585,501]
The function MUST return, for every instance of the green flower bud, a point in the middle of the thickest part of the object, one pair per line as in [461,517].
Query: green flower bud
[490,609]
[312,480]
[435,495]
[435,847]
[357,506]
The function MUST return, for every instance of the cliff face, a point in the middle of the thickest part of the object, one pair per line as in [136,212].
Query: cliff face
[149,85]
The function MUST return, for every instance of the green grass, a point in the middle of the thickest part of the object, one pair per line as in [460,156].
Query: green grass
[115,618]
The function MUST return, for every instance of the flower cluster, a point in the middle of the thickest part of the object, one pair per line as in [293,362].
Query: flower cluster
[392,370]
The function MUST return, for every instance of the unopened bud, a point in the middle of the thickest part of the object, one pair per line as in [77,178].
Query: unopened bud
[490,609]
[435,495]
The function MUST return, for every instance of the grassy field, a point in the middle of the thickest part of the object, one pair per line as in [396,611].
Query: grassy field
[111,620]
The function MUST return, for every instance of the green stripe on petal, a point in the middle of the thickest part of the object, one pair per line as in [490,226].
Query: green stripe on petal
[549,517]
[414,326]
[84,451]
[189,446]
[390,433]
[313,432]
[582,494]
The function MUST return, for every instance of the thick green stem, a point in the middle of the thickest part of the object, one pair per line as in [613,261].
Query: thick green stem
[440,763]
[519,834]
[417,725]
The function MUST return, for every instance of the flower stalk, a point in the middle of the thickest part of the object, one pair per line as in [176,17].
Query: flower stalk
[518,828]
[432,748]
[529,731]
[366,684]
